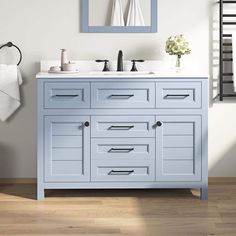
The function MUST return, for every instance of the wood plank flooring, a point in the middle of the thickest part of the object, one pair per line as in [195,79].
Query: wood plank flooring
[118,212]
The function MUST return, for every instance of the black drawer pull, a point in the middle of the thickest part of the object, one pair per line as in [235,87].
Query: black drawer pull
[121,96]
[121,150]
[121,172]
[66,95]
[176,96]
[114,127]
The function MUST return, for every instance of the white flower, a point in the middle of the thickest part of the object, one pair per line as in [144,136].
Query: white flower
[177,45]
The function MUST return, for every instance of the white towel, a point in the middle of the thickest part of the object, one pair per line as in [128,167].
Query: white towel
[135,16]
[117,16]
[10,80]
[234,59]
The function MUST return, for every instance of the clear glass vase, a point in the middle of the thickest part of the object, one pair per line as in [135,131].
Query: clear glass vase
[178,64]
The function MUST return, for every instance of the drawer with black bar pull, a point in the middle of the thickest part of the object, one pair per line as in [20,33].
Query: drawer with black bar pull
[122,126]
[178,95]
[123,95]
[132,149]
[116,171]
[66,95]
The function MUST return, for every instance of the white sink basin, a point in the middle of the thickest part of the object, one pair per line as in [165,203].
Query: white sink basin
[121,73]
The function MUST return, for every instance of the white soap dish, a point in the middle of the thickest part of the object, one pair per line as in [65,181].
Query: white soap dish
[63,72]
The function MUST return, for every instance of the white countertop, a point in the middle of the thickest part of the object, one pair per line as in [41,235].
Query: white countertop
[110,75]
[91,69]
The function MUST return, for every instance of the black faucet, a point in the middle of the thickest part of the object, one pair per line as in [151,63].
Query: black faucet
[120,61]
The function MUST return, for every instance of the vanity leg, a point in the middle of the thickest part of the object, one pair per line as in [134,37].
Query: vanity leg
[40,193]
[204,193]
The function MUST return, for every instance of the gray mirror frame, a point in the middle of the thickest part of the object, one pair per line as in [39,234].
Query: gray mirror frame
[119,29]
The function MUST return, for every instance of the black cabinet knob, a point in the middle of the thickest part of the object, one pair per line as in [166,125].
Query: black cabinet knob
[86,124]
[159,124]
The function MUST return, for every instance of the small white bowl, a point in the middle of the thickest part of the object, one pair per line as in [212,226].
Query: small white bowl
[69,66]
[55,68]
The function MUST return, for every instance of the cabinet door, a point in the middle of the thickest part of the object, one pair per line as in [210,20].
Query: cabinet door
[178,149]
[67,149]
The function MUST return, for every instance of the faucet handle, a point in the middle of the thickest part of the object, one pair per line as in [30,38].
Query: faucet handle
[134,68]
[106,68]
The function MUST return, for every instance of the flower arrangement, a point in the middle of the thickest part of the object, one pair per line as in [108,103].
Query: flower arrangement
[177,45]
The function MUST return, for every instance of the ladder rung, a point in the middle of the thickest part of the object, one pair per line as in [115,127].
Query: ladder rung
[229,2]
[229,95]
[227,35]
[227,44]
[228,74]
[227,82]
[229,23]
[228,52]
[229,15]
[227,59]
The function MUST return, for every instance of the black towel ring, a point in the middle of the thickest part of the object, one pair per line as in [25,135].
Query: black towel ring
[10,44]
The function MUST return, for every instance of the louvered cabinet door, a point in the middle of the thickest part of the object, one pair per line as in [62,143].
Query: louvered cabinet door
[67,149]
[178,152]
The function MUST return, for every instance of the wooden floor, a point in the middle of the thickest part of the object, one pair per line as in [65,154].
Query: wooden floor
[117,213]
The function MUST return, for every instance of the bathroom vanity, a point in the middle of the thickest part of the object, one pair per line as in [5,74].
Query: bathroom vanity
[115,132]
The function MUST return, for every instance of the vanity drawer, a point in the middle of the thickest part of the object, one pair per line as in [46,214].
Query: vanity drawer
[178,95]
[122,126]
[133,149]
[116,171]
[66,95]
[117,95]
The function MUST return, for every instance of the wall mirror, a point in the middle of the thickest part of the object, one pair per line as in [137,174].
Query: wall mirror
[119,16]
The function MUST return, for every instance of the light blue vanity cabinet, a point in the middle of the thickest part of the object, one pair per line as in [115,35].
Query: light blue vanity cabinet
[96,133]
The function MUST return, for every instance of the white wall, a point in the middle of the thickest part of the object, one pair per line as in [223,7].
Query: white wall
[41,27]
